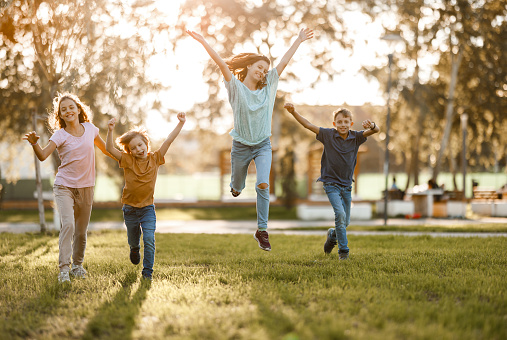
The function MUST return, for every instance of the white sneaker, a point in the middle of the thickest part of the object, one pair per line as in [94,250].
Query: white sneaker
[78,271]
[63,277]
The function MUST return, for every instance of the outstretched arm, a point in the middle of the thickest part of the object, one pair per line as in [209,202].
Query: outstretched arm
[301,120]
[304,34]
[172,136]
[113,152]
[214,55]
[99,142]
[370,128]
[41,153]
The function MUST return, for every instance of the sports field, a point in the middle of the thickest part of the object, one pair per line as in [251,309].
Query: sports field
[225,287]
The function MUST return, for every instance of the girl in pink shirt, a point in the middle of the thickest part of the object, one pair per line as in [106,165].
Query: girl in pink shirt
[74,137]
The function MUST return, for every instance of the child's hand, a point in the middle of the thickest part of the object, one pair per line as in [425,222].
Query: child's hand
[31,137]
[196,36]
[111,123]
[181,117]
[367,124]
[289,107]
[305,34]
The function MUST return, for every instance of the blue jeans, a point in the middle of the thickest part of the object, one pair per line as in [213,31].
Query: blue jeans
[137,219]
[241,156]
[340,198]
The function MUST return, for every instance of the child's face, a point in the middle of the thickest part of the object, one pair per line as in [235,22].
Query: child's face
[258,70]
[138,148]
[69,110]
[343,124]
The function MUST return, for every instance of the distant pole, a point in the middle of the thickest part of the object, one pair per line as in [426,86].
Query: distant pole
[38,181]
[464,119]
[388,125]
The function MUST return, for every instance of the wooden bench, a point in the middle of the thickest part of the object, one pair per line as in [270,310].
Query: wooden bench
[487,194]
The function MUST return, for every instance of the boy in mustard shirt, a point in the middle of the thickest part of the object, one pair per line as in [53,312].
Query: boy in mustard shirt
[140,168]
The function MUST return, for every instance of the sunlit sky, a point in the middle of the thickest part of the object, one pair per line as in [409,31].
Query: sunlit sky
[182,72]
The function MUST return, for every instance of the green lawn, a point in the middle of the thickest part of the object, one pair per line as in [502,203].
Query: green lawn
[104,215]
[225,287]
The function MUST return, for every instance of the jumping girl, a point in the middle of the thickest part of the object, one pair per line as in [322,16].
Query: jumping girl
[251,87]
[74,137]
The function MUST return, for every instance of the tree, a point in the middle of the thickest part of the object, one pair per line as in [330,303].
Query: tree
[463,33]
[97,49]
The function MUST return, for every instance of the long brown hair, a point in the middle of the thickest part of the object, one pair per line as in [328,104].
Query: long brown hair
[238,65]
[56,122]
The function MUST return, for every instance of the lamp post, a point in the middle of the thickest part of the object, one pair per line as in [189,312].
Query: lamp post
[392,40]
[464,121]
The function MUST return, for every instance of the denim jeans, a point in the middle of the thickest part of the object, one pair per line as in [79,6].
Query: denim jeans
[340,199]
[241,156]
[137,220]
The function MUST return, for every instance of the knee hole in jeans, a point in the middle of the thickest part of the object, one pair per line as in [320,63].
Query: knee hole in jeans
[263,186]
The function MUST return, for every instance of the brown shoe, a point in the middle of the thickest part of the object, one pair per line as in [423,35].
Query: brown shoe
[262,238]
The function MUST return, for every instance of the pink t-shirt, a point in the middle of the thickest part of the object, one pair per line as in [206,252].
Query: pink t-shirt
[77,155]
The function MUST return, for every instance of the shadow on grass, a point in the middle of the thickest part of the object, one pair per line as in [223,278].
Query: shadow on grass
[116,319]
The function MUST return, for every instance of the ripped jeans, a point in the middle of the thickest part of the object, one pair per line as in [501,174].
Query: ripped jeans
[241,156]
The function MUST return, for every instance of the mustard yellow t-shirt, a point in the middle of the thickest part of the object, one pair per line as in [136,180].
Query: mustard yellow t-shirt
[140,177]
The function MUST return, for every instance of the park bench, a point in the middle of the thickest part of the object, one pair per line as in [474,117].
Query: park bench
[485,193]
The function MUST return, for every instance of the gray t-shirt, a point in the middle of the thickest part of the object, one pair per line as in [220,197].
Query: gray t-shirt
[339,157]
[252,110]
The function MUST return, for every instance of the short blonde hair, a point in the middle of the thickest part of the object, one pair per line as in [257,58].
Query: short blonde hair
[124,140]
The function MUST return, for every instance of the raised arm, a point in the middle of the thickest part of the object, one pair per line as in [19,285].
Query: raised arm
[114,152]
[214,55]
[99,142]
[301,120]
[370,128]
[41,153]
[172,136]
[304,34]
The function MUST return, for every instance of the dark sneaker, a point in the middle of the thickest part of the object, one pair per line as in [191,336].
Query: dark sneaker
[262,238]
[330,241]
[343,256]
[135,257]
[235,193]
[147,277]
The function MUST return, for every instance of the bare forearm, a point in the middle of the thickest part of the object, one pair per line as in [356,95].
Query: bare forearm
[288,56]
[172,136]
[41,154]
[305,122]
[111,151]
[219,61]
[109,141]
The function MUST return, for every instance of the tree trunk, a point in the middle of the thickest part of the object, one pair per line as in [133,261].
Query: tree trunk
[456,61]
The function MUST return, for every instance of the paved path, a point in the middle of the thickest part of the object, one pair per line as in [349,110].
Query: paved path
[281,227]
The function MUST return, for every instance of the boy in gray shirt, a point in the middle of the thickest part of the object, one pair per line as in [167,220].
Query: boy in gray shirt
[337,169]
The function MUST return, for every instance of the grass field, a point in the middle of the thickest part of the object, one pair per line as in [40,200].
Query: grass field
[225,287]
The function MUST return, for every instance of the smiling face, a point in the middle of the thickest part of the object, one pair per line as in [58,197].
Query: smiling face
[69,111]
[138,148]
[343,123]
[258,70]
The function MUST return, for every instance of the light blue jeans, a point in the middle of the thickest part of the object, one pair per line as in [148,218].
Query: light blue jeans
[340,199]
[137,219]
[241,156]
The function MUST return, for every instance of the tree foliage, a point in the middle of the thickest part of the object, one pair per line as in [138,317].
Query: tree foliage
[99,50]
[445,30]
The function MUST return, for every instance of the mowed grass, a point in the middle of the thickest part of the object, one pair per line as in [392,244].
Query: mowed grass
[225,287]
